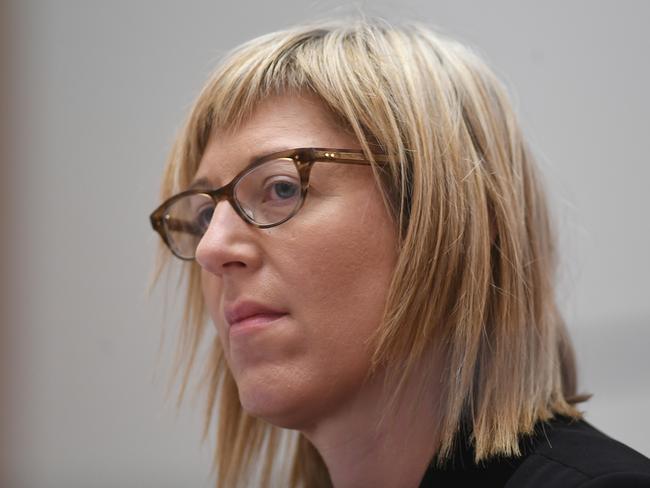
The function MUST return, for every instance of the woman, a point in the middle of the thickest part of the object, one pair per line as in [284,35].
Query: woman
[381,278]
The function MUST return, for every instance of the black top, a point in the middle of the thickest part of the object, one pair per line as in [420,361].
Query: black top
[562,453]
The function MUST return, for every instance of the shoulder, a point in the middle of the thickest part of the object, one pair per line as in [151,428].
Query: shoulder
[566,453]
[562,453]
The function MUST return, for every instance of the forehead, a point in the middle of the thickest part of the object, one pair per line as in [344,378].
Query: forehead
[278,123]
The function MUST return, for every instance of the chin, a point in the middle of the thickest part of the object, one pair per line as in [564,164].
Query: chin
[276,405]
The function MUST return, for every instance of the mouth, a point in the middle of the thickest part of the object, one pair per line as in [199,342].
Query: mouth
[247,313]
[254,322]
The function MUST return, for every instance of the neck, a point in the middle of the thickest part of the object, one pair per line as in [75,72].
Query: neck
[360,453]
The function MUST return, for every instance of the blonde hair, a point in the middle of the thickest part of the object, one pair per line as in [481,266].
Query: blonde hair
[475,272]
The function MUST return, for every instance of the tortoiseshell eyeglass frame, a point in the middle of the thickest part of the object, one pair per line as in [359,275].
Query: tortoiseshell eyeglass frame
[303,158]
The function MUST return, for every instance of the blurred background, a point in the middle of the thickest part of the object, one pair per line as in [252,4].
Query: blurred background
[95,92]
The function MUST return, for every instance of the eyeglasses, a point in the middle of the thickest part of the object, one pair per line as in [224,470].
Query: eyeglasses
[266,193]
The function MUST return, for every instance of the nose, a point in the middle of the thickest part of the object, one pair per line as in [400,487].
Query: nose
[228,244]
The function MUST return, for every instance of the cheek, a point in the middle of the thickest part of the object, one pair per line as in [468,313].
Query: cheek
[340,284]
[344,290]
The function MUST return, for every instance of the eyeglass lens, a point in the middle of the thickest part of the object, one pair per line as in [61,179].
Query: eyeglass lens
[267,195]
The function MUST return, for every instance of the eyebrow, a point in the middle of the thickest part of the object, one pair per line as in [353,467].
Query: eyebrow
[200,183]
[204,182]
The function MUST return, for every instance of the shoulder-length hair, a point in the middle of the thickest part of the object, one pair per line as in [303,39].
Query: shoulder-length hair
[474,278]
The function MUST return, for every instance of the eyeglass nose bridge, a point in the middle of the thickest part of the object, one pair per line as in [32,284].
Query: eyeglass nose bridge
[228,193]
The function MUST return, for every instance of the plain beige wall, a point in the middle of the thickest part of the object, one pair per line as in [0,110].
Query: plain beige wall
[101,87]
[5,418]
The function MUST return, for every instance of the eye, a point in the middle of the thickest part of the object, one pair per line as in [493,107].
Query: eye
[204,216]
[280,191]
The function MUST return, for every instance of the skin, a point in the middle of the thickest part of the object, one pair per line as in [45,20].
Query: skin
[329,268]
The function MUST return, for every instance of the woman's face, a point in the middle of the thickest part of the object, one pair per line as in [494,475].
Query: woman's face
[328,268]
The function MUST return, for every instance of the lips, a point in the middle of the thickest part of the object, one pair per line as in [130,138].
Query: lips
[242,310]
